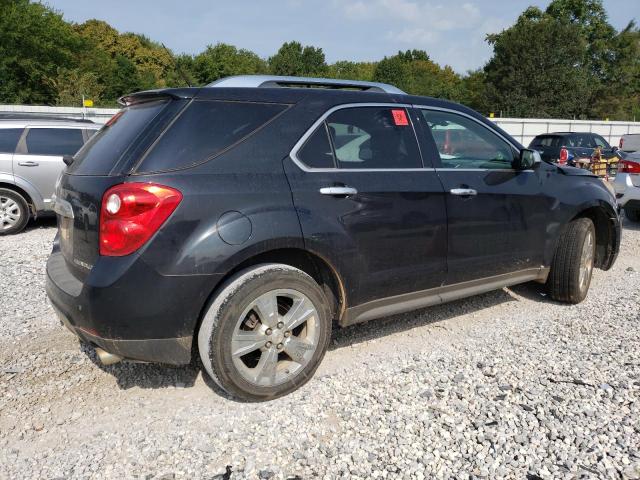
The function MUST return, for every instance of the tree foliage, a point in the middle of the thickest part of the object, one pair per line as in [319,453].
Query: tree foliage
[222,60]
[294,59]
[564,61]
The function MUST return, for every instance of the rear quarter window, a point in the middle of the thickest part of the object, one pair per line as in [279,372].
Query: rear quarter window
[204,130]
[104,150]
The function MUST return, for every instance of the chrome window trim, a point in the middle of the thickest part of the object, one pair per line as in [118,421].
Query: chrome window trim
[303,139]
[495,132]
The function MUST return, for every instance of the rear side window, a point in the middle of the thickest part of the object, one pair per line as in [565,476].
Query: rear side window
[54,141]
[581,141]
[9,139]
[205,129]
[104,149]
[316,152]
[373,138]
[545,141]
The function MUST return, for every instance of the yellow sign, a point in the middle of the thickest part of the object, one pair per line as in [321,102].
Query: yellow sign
[491,115]
[88,103]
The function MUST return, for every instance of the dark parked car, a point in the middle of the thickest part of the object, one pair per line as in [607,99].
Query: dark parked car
[567,147]
[238,221]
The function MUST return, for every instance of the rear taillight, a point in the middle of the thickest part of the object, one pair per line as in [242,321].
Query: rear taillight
[131,213]
[564,156]
[627,166]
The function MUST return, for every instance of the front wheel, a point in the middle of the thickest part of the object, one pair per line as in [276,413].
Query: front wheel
[265,333]
[572,265]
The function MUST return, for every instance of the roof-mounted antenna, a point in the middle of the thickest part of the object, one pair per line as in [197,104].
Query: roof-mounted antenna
[175,65]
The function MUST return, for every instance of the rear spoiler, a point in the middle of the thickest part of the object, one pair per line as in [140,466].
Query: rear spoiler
[151,95]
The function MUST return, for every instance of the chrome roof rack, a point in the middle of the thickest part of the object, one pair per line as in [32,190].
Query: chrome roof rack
[274,81]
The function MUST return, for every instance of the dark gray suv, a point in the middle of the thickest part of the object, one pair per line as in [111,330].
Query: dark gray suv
[238,222]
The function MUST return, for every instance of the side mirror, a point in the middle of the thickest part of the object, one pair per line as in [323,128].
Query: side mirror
[614,148]
[67,159]
[528,159]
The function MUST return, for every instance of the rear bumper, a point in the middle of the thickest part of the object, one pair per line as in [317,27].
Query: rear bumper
[133,312]
[173,351]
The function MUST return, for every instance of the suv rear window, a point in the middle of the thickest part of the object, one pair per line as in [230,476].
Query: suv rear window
[54,141]
[104,149]
[204,130]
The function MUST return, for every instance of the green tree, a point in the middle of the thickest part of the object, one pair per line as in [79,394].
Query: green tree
[590,17]
[352,70]
[539,69]
[294,59]
[222,60]
[34,43]
[413,72]
[395,70]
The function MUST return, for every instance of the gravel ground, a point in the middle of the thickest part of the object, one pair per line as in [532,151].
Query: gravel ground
[502,385]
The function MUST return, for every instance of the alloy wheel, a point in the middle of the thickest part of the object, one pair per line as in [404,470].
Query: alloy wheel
[275,337]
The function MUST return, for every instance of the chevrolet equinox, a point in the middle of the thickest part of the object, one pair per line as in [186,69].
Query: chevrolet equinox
[236,222]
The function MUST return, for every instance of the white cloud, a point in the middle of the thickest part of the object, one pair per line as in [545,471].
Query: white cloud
[419,14]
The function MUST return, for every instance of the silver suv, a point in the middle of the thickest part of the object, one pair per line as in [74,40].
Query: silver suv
[31,158]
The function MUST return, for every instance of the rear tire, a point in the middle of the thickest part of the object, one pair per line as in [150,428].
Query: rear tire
[633,214]
[572,265]
[14,212]
[265,332]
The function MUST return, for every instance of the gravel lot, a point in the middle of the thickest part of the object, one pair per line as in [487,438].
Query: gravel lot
[507,384]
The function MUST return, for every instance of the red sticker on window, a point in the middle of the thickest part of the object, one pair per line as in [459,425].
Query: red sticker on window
[400,118]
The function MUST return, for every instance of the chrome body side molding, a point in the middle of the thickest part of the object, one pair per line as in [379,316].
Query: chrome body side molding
[435,296]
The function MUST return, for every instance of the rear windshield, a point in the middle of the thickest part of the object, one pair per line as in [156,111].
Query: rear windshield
[205,129]
[105,149]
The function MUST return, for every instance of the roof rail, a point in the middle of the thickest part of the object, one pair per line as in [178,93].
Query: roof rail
[41,116]
[274,81]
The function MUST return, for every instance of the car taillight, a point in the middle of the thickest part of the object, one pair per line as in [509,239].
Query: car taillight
[627,166]
[564,156]
[131,213]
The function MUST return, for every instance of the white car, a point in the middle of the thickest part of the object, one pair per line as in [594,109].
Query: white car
[630,142]
[627,186]
[32,148]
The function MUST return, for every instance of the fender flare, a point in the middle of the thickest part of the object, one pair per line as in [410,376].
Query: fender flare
[34,199]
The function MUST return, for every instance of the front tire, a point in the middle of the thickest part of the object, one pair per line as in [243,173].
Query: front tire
[572,265]
[265,332]
[14,212]
[633,214]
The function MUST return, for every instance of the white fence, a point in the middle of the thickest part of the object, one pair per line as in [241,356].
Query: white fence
[523,129]
[97,115]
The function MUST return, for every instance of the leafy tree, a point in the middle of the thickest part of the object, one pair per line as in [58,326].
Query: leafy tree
[591,18]
[222,60]
[294,59]
[34,43]
[395,70]
[413,72]
[539,68]
[352,70]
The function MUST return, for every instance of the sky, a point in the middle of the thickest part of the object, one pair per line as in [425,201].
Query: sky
[452,32]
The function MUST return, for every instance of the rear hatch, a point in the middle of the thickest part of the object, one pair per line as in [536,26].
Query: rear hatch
[105,160]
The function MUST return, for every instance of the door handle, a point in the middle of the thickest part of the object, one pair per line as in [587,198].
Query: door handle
[28,163]
[463,192]
[338,191]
